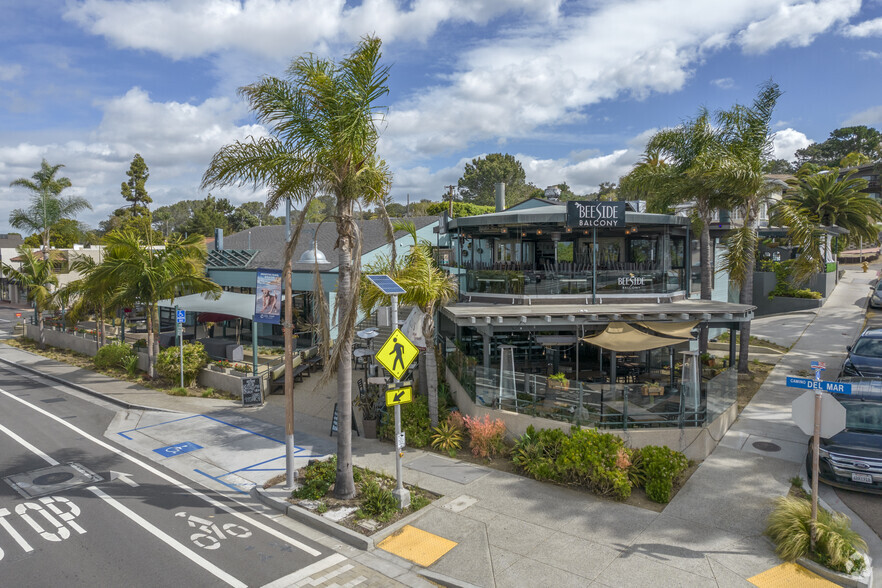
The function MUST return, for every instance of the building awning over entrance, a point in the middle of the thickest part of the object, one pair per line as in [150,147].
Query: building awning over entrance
[624,338]
[232,303]
[671,329]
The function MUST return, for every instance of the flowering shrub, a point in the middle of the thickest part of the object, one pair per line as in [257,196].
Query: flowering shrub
[486,436]
[241,367]
[456,421]
[224,363]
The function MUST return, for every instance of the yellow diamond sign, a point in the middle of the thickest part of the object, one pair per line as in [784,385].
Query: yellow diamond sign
[396,354]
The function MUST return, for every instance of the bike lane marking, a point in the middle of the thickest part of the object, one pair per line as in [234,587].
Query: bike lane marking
[253,522]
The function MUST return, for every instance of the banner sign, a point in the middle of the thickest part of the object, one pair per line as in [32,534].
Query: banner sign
[595,214]
[268,296]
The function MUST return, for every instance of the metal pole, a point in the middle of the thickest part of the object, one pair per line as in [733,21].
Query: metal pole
[179,328]
[594,265]
[254,345]
[401,493]
[816,442]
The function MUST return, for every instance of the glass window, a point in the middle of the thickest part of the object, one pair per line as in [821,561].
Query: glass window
[643,249]
[863,416]
[678,252]
[868,347]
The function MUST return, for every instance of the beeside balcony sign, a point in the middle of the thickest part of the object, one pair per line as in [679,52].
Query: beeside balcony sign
[593,213]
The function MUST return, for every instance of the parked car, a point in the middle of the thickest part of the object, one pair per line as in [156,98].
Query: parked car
[853,458]
[865,356]
[876,295]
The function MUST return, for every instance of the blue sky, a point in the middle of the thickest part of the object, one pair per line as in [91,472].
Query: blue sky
[573,89]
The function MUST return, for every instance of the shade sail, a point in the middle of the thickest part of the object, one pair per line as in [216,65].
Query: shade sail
[233,303]
[671,329]
[623,338]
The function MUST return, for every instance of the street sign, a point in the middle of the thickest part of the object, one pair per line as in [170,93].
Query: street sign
[182,316]
[18,315]
[399,443]
[832,414]
[396,354]
[401,395]
[809,384]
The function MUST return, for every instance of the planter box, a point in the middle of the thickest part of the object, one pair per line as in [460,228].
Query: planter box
[865,579]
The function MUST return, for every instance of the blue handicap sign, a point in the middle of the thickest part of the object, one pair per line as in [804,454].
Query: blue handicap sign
[182,316]
[809,384]
[177,449]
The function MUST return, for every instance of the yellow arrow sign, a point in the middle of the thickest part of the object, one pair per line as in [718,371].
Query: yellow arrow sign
[401,395]
[397,353]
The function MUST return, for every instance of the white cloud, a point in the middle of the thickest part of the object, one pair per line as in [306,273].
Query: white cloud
[724,83]
[868,28]
[176,140]
[787,141]
[796,25]
[191,28]
[10,71]
[869,117]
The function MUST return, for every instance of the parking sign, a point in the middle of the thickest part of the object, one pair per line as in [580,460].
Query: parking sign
[182,316]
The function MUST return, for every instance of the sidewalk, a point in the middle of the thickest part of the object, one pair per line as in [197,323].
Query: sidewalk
[513,531]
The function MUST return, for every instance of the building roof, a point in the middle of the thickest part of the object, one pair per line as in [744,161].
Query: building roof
[10,240]
[269,241]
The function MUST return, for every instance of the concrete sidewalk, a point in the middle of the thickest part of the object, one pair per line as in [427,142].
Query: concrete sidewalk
[513,531]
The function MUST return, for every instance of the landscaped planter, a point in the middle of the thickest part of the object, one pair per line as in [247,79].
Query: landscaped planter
[864,579]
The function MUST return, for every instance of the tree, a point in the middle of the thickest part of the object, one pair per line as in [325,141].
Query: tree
[134,190]
[740,173]
[264,215]
[460,209]
[63,234]
[858,139]
[323,135]
[47,207]
[172,218]
[208,215]
[146,274]
[478,182]
[854,159]
[428,288]
[90,295]
[35,275]
[688,152]
[778,166]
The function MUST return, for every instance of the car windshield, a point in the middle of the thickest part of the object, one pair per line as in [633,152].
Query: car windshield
[865,417]
[868,347]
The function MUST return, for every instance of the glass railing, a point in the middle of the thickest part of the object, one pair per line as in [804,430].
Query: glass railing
[524,282]
[618,406]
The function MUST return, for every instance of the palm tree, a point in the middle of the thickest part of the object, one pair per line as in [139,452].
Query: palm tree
[91,295]
[146,274]
[47,206]
[322,121]
[738,173]
[37,277]
[688,152]
[428,288]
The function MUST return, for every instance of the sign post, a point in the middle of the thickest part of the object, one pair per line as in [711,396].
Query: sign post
[825,423]
[396,355]
[180,317]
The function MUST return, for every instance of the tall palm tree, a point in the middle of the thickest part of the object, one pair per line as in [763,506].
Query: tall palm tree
[738,173]
[428,288]
[47,206]
[323,123]
[688,152]
[91,295]
[36,275]
[146,274]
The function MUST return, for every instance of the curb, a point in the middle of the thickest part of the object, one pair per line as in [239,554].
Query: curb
[314,521]
[81,388]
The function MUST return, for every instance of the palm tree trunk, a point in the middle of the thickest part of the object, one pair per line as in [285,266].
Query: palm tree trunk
[40,323]
[344,486]
[745,297]
[287,329]
[431,362]
[705,261]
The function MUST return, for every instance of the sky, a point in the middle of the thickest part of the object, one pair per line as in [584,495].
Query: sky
[573,89]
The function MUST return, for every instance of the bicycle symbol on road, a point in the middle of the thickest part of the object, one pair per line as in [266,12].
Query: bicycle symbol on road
[210,534]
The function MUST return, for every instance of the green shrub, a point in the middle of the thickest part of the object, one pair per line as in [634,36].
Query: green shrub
[195,358]
[486,437]
[177,391]
[592,459]
[114,355]
[536,452]
[419,501]
[789,527]
[317,479]
[131,366]
[377,501]
[660,466]
[414,422]
[447,438]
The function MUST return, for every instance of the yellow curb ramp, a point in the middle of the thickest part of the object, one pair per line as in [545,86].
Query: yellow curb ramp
[416,545]
[790,575]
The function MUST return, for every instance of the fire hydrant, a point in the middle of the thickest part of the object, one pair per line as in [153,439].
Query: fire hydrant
[865,266]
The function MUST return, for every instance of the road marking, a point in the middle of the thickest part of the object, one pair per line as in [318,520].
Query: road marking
[25,546]
[309,570]
[28,446]
[168,540]
[254,523]
[126,478]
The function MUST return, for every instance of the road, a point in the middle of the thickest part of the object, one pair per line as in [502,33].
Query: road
[78,510]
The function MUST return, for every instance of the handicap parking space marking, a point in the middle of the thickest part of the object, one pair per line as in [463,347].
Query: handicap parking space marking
[177,449]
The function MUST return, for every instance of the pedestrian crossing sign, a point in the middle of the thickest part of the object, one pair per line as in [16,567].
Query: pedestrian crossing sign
[396,354]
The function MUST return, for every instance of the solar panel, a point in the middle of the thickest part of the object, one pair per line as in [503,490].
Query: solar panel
[386,284]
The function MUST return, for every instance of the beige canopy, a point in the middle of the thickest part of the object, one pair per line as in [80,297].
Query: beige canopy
[671,329]
[623,338]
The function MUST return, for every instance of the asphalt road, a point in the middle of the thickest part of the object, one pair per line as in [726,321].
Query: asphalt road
[77,510]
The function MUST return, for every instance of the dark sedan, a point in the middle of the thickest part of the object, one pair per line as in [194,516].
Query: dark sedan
[853,458]
[865,356]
